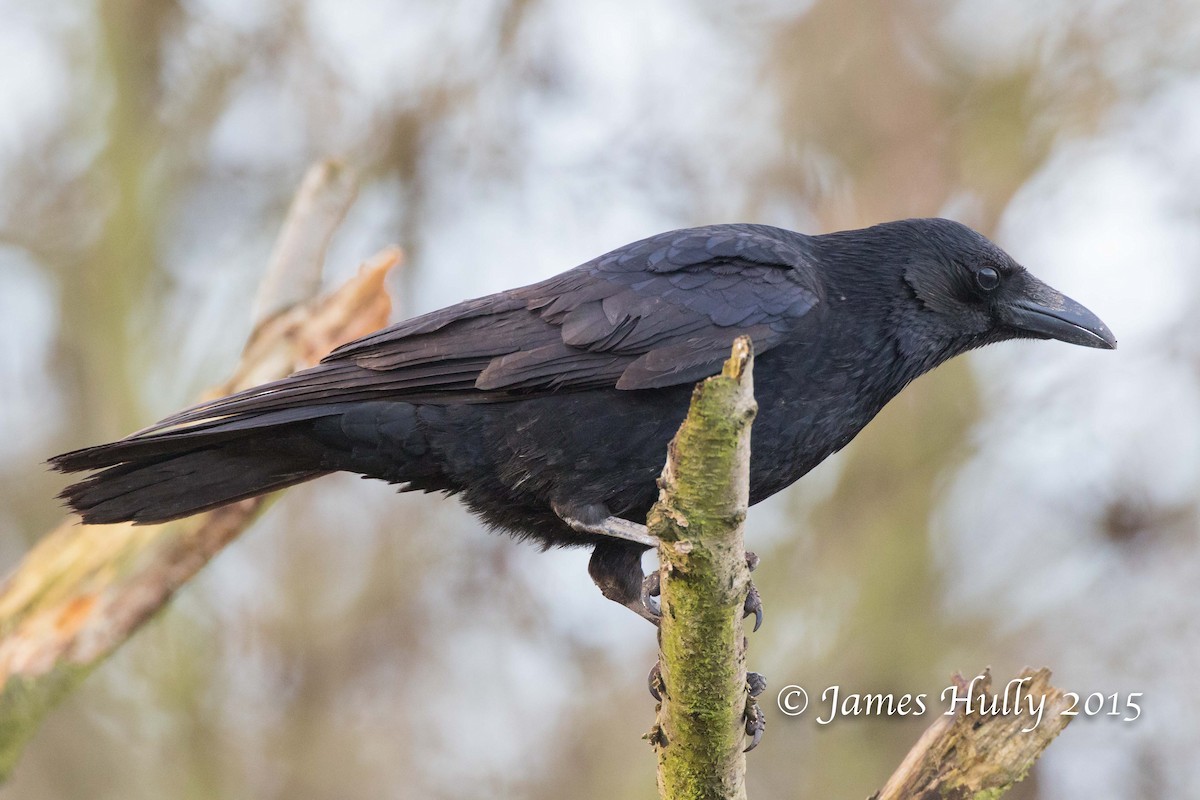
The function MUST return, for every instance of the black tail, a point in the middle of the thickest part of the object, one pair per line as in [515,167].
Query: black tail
[163,476]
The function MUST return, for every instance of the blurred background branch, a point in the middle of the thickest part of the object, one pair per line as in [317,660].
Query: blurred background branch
[84,589]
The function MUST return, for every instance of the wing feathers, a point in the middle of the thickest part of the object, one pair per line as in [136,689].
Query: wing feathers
[655,313]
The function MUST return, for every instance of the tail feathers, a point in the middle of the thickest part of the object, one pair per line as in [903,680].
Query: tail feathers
[160,440]
[170,487]
[167,472]
[164,476]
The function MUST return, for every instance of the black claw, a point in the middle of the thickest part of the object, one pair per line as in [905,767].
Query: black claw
[655,682]
[753,601]
[754,606]
[651,588]
[756,723]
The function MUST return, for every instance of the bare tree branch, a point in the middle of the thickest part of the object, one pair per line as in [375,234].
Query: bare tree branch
[83,590]
[294,270]
[985,752]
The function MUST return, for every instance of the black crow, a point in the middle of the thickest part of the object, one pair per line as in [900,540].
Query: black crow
[548,409]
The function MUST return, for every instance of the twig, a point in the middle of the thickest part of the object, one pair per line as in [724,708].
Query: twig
[83,590]
[700,733]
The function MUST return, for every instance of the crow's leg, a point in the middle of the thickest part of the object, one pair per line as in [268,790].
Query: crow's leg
[616,567]
[616,564]
[596,519]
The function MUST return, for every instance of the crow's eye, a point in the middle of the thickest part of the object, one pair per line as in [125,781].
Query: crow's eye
[987,278]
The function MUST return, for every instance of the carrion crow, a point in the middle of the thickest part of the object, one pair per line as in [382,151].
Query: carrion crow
[548,408]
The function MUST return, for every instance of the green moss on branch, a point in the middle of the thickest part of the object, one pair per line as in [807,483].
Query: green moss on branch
[705,491]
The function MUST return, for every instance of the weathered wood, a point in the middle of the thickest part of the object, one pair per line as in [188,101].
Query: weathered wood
[293,273]
[83,590]
[700,732]
[980,755]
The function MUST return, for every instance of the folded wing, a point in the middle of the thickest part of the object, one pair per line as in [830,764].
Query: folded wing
[656,313]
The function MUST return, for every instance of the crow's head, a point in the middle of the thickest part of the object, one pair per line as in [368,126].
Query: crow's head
[964,291]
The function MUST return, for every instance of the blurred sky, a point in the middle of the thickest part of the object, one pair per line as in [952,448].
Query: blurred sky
[1032,503]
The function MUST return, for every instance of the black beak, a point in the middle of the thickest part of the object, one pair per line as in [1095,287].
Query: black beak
[1045,313]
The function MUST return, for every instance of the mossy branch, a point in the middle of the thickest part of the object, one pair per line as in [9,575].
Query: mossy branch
[83,590]
[700,732]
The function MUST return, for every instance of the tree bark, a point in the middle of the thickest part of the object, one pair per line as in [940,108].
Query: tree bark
[980,754]
[700,733]
[83,590]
